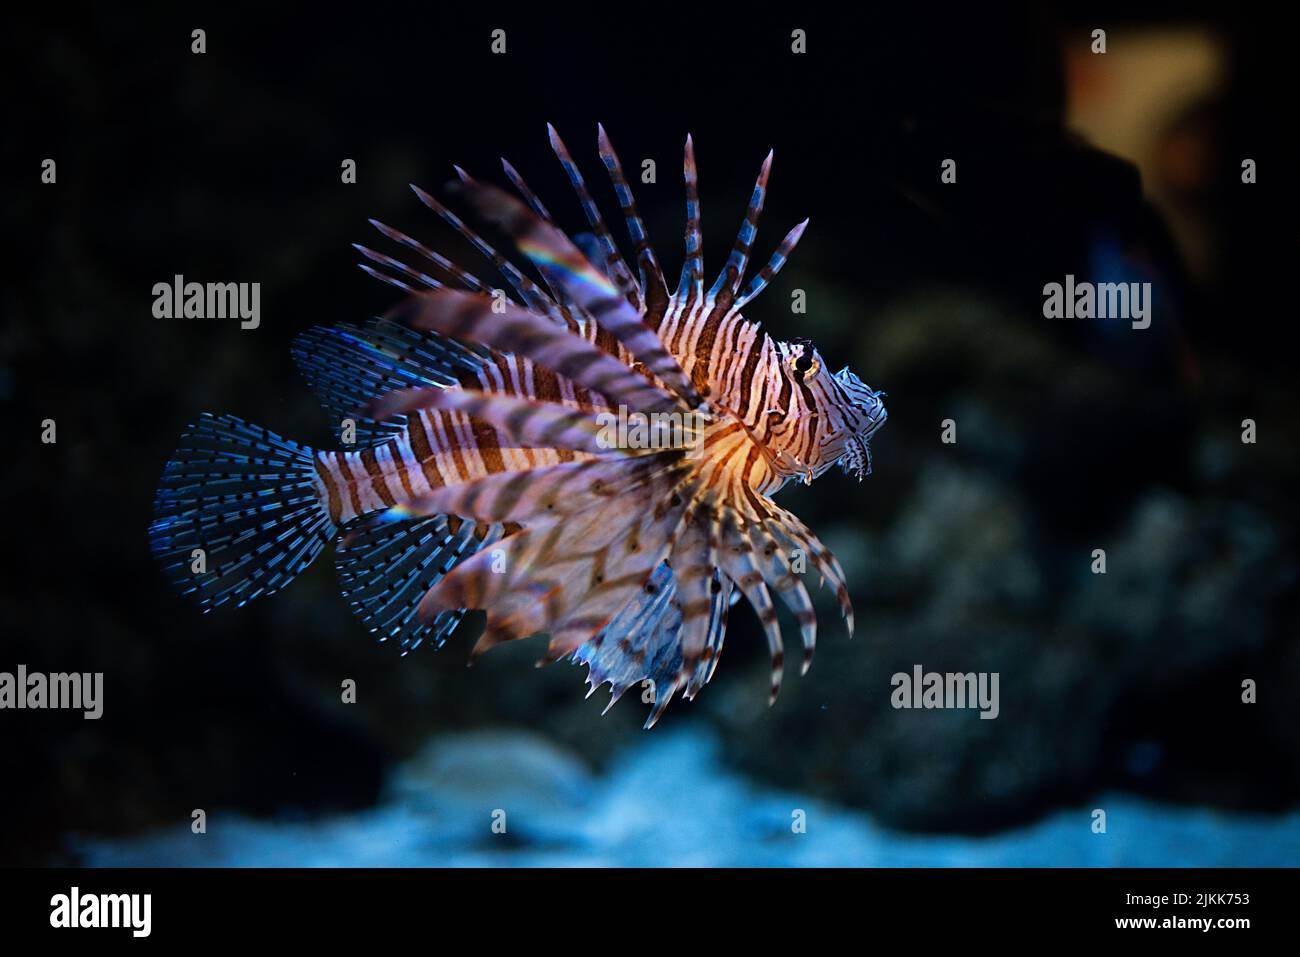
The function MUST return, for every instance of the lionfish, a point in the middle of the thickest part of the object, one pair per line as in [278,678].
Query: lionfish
[477,478]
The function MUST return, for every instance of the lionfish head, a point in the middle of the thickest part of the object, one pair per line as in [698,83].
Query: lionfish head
[867,413]
[841,410]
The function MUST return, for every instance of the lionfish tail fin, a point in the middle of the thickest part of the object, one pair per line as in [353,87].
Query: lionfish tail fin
[238,513]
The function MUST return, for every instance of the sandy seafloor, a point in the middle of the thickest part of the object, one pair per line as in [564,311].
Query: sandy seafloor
[671,801]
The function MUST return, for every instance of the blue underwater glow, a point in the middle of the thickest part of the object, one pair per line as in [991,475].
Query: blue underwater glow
[670,801]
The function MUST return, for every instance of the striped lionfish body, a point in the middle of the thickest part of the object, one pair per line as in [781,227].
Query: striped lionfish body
[479,470]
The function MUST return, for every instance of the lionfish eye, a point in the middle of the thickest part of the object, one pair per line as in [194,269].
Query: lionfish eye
[804,364]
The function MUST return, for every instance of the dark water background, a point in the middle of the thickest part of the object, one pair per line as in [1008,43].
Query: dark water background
[1120,692]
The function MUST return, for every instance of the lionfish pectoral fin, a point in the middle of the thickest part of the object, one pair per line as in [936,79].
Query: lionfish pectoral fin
[639,644]
[775,566]
[795,534]
[585,550]
[623,569]
[694,563]
[495,580]
[736,555]
[672,633]
[719,604]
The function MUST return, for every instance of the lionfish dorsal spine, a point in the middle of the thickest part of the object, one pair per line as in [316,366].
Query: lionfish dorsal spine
[527,290]
[653,284]
[733,272]
[614,266]
[690,287]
